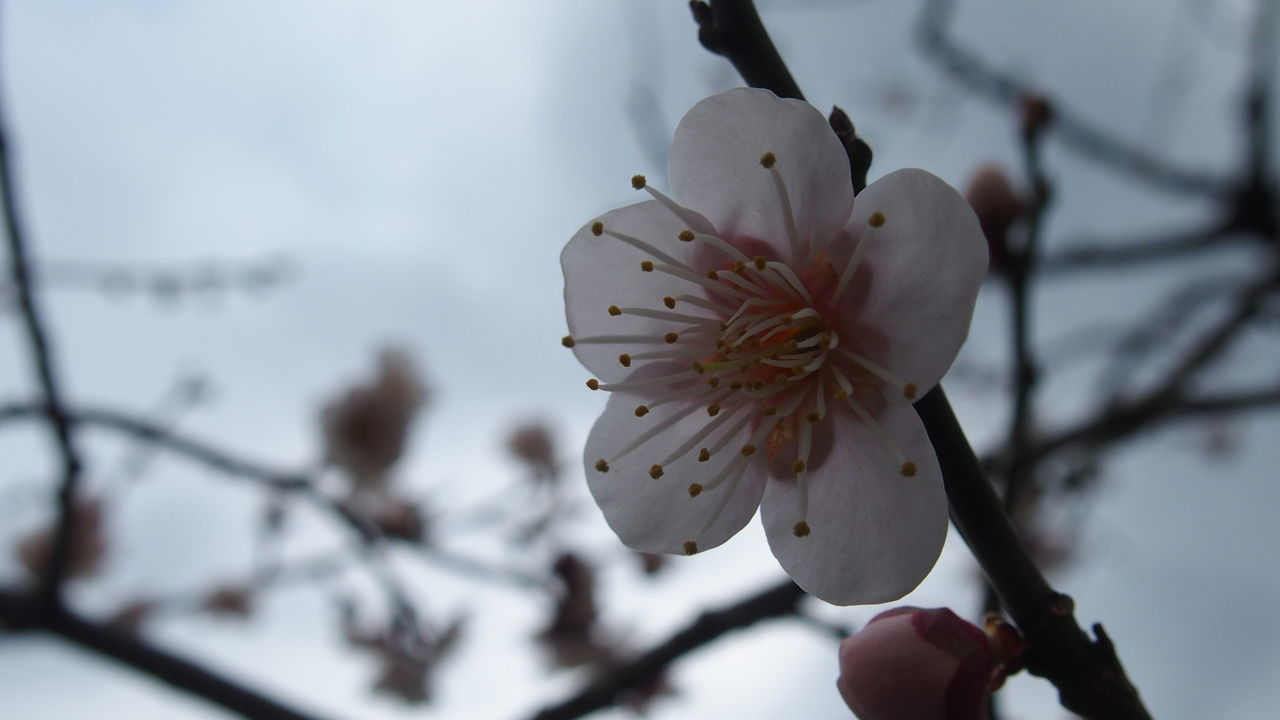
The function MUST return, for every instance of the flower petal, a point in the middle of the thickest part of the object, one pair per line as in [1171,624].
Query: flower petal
[715,169]
[874,534]
[658,514]
[600,271]
[925,266]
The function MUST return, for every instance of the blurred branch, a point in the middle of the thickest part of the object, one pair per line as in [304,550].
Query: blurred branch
[27,612]
[780,600]
[1076,133]
[38,345]
[1118,256]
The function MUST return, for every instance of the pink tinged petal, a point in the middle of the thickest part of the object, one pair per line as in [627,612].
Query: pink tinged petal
[601,271]
[925,265]
[658,514]
[873,533]
[715,168]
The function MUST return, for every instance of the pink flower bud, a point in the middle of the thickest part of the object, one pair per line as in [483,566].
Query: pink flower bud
[998,206]
[918,664]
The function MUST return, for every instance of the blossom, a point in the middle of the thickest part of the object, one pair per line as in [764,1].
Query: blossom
[762,334]
[919,664]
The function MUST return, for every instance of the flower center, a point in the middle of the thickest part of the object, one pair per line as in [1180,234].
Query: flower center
[755,345]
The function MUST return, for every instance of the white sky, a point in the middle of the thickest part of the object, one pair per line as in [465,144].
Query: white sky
[422,164]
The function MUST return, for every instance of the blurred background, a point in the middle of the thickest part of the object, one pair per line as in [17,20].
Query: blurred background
[250,222]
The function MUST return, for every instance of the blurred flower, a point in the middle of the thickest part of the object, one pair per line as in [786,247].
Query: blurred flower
[365,429]
[401,519]
[407,654]
[997,207]
[918,664]
[572,635]
[88,543]
[229,601]
[531,443]
[763,335]
[129,617]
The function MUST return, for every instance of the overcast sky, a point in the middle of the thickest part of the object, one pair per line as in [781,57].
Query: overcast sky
[421,164]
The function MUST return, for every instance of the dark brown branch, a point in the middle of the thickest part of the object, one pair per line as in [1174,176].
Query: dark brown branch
[778,601]
[1075,132]
[1125,255]
[42,359]
[21,612]
[732,28]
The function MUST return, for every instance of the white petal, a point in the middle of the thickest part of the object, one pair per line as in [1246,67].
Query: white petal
[658,515]
[600,271]
[874,534]
[715,168]
[925,266]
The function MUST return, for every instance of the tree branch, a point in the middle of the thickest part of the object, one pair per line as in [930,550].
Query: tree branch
[732,28]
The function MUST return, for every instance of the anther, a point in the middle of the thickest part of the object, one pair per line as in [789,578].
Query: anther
[686,235]
[840,394]
[712,274]
[760,262]
[655,471]
[670,337]
[637,182]
[800,529]
[646,266]
[908,469]
[876,219]
[704,455]
[614,310]
[690,547]
[698,368]
[713,409]
[714,382]
[695,490]
[567,341]
[670,302]
[735,385]
[813,417]
[602,466]
[597,228]
[771,410]
[593,383]
[909,391]
[641,410]
[798,466]
[748,450]
[767,160]
[625,359]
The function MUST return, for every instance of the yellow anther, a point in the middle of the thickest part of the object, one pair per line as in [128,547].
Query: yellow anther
[637,182]
[646,265]
[908,469]
[698,368]
[840,394]
[876,219]
[670,337]
[686,235]
[567,341]
[690,547]
[655,471]
[739,266]
[614,310]
[735,385]
[713,409]
[813,417]
[748,450]
[767,160]
[597,228]
[670,302]
[712,274]
[798,466]
[602,466]
[760,262]
[714,382]
[800,529]
[695,489]
[642,410]
[909,392]
[593,383]
[625,359]
[757,385]
[704,455]
[771,410]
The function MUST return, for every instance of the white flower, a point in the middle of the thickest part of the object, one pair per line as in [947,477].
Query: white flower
[762,334]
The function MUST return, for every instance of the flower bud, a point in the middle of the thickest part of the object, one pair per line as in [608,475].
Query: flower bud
[919,664]
[998,207]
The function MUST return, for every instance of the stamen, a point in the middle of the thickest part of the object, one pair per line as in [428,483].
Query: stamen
[798,253]
[908,389]
[907,468]
[854,260]
[687,216]
[704,281]
[620,340]
[602,466]
[719,243]
[567,341]
[663,315]
[696,438]
[690,547]
[790,276]
[649,434]
[643,246]
[649,382]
